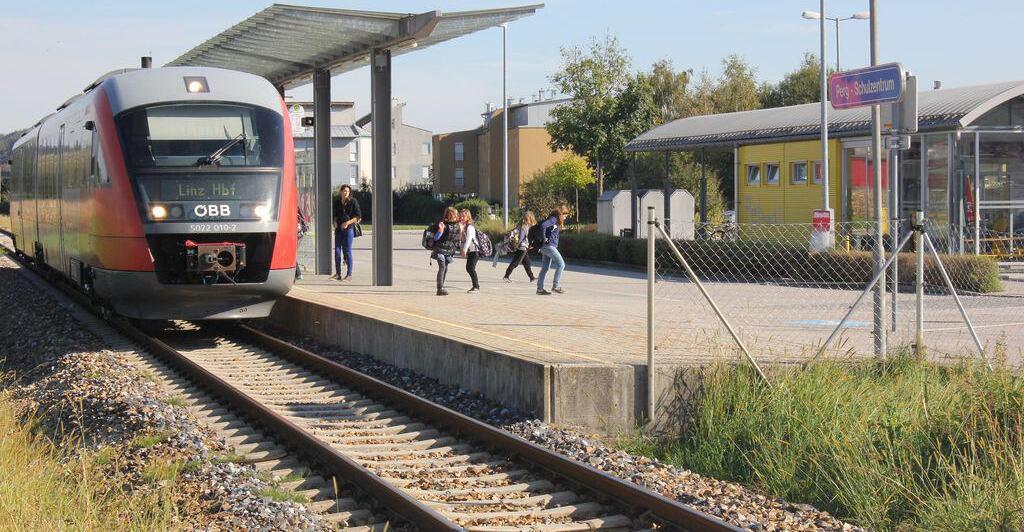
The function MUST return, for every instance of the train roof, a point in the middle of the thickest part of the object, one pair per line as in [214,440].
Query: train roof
[149,86]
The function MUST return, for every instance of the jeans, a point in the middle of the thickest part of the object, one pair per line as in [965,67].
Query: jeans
[551,257]
[442,267]
[471,259]
[521,256]
[343,245]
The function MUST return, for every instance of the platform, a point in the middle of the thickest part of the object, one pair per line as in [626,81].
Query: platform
[578,357]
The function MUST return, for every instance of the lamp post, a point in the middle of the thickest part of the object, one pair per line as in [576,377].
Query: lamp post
[504,125]
[820,15]
[815,15]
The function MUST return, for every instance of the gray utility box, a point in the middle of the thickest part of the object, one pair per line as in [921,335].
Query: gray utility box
[613,212]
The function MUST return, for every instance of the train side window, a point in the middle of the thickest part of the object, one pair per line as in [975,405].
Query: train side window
[99,166]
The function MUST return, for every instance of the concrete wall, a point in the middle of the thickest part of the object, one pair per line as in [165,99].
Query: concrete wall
[600,396]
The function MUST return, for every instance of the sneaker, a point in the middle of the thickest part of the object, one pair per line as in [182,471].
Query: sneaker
[336,277]
[558,290]
[543,292]
[346,278]
[506,279]
[473,290]
[442,292]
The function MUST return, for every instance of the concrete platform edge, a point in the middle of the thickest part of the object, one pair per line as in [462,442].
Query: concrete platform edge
[599,396]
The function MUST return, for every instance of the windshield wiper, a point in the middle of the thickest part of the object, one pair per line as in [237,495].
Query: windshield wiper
[216,156]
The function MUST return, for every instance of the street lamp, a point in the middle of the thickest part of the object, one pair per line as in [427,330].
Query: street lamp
[815,15]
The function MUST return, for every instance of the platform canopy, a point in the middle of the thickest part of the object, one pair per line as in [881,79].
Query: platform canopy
[286,44]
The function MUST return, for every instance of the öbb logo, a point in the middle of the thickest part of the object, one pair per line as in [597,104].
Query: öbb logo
[202,211]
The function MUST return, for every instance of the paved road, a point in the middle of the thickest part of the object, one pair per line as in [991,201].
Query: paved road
[602,318]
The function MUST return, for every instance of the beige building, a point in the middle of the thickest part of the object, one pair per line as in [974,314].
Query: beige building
[470,162]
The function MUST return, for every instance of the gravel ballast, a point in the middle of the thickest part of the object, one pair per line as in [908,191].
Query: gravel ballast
[76,386]
[732,502]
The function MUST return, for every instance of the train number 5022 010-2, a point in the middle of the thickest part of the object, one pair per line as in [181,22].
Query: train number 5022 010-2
[212,228]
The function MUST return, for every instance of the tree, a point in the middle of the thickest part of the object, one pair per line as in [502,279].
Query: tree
[554,185]
[668,90]
[737,87]
[608,106]
[802,85]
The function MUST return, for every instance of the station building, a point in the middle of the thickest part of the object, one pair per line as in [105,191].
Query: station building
[969,150]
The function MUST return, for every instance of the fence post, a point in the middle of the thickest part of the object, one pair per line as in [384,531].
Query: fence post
[919,282]
[650,312]
[956,298]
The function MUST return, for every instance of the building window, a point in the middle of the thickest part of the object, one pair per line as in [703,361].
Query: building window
[394,172]
[353,174]
[425,173]
[460,178]
[753,174]
[460,152]
[799,175]
[353,151]
[816,176]
[425,150]
[771,174]
[394,148]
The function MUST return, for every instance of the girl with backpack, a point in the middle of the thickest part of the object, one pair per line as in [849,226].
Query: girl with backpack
[521,242]
[446,243]
[347,216]
[549,230]
[470,247]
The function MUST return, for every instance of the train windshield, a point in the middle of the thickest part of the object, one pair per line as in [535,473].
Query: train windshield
[202,134]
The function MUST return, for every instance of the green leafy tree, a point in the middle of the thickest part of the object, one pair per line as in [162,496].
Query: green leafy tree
[608,105]
[802,85]
[736,89]
[668,90]
[557,184]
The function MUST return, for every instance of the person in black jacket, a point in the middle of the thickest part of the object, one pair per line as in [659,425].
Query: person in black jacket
[446,245]
[346,216]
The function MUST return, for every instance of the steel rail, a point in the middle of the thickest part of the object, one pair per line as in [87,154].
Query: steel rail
[626,492]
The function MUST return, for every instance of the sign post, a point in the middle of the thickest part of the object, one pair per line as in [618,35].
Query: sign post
[821,230]
[867,86]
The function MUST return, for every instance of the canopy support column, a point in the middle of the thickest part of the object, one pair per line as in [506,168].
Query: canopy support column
[380,119]
[322,168]
[667,193]
[703,192]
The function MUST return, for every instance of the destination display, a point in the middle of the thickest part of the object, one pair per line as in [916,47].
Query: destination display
[259,187]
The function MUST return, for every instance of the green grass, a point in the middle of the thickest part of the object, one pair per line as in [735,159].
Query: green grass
[45,487]
[904,445]
[282,495]
[150,440]
[176,400]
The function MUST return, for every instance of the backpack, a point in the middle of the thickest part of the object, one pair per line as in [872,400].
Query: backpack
[535,236]
[483,244]
[428,236]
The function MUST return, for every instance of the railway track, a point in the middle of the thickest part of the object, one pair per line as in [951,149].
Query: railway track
[434,467]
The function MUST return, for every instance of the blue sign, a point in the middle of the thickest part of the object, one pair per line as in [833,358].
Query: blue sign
[866,86]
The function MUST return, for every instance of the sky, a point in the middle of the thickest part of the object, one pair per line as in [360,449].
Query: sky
[50,50]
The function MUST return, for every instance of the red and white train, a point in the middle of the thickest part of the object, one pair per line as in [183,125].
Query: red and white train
[163,193]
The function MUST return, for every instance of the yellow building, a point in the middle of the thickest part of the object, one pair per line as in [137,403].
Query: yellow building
[781,182]
[470,162]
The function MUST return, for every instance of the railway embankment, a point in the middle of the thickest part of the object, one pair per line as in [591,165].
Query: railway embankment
[103,443]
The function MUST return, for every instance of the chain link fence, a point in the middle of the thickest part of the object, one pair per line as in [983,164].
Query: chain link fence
[783,301]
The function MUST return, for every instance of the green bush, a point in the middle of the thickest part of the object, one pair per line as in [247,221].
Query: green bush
[896,445]
[476,206]
[754,261]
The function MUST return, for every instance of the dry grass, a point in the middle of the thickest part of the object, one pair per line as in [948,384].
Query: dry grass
[43,487]
[5,222]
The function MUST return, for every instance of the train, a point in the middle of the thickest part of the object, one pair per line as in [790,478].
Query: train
[163,194]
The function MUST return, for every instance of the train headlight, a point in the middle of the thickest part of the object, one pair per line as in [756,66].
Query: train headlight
[176,212]
[158,212]
[262,211]
[194,84]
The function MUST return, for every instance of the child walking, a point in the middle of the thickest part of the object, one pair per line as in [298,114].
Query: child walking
[549,250]
[522,252]
[446,239]
[470,247]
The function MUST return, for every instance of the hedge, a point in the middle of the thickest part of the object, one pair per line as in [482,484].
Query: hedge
[752,261]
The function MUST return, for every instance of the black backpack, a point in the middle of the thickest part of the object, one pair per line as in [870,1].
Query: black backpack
[535,236]
[428,236]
